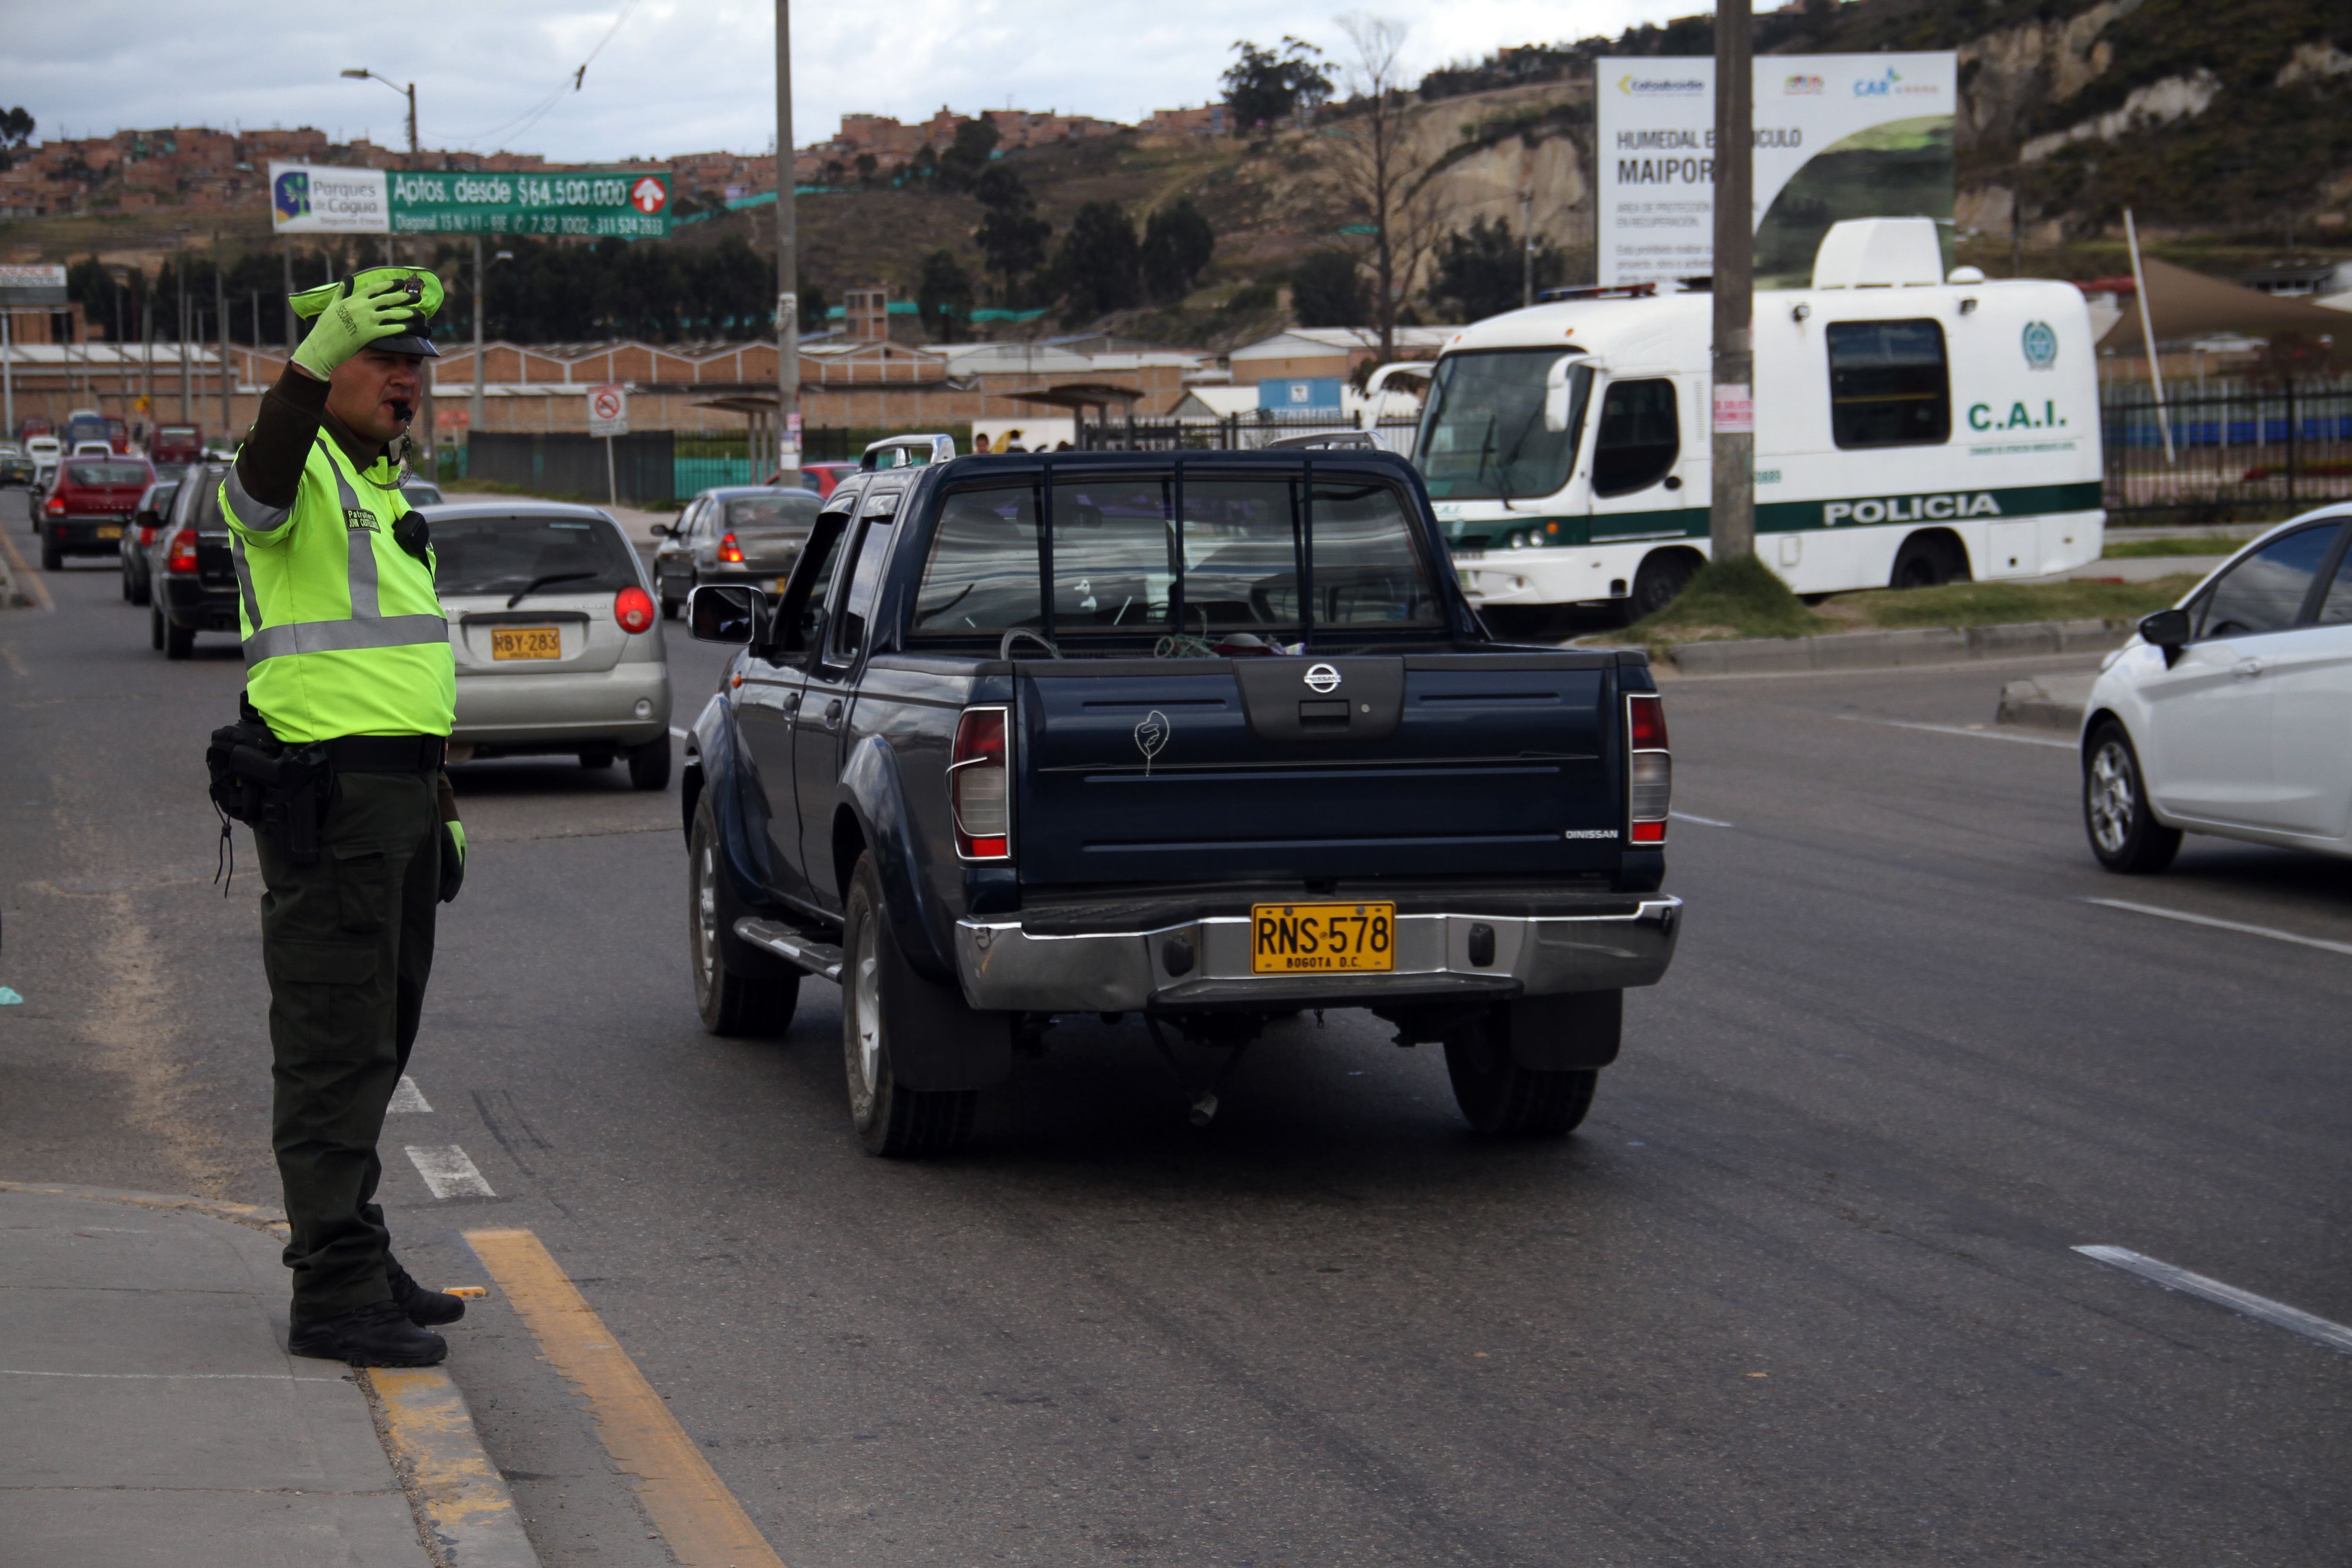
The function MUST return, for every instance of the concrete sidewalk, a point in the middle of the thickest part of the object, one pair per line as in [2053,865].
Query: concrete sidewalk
[149,1413]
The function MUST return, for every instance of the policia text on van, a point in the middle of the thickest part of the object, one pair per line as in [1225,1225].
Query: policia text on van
[349,694]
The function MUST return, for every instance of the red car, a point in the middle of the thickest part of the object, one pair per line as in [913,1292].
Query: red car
[819,477]
[87,510]
[176,444]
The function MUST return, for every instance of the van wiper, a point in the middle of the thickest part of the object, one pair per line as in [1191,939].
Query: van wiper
[536,584]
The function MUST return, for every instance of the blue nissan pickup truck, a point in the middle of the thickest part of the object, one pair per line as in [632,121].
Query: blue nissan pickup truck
[1207,737]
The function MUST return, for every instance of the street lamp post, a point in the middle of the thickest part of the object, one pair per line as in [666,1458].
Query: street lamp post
[363,74]
[788,299]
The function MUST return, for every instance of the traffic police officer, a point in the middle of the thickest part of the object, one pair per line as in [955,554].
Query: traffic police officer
[348,662]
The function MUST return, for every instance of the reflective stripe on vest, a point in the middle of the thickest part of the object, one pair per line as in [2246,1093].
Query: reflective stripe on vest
[367,626]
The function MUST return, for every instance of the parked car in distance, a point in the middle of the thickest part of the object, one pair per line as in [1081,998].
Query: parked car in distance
[422,492]
[818,476]
[2231,713]
[139,539]
[176,446]
[16,468]
[89,506]
[47,452]
[742,533]
[191,571]
[87,425]
[556,636]
[93,449]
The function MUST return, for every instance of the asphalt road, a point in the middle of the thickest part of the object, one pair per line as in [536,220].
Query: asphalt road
[1799,1291]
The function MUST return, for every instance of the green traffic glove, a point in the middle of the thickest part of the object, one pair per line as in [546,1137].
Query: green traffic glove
[453,858]
[351,320]
[458,837]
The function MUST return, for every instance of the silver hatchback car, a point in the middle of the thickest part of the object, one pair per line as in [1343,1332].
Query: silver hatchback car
[556,634]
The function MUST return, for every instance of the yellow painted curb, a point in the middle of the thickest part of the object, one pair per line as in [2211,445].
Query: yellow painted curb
[461,1500]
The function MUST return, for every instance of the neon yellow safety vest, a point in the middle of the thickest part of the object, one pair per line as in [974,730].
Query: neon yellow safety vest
[343,634]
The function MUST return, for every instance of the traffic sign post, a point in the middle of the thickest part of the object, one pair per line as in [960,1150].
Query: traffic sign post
[608,415]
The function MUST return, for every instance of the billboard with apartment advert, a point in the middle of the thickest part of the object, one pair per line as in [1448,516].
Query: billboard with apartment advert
[1837,136]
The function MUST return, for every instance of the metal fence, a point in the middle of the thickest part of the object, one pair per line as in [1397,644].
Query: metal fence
[1236,432]
[648,467]
[2245,453]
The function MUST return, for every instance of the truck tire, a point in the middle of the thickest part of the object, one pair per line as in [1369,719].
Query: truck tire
[155,627]
[737,993]
[889,1119]
[650,764]
[179,642]
[2123,834]
[52,558]
[1500,1097]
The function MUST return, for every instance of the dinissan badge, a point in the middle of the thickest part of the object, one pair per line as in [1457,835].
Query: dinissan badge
[2041,344]
[1322,678]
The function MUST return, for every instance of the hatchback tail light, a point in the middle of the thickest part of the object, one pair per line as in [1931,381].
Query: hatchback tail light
[729,550]
[633,609]
[56,506]
[980,786]
[1650,768]
[180,560]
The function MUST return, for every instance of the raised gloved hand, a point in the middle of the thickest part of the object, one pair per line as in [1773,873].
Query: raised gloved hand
[349,319]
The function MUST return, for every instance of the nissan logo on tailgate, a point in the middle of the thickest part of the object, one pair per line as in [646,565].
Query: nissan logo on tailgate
[1322,678]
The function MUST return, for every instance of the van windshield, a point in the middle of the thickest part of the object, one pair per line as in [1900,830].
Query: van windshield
[1483,437]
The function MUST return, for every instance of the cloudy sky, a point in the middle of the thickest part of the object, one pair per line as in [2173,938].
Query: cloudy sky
[673,76]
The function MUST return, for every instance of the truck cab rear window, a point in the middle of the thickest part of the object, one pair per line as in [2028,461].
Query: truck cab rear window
[1124,561]
[1889,384]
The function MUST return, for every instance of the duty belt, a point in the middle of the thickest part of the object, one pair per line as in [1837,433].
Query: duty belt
[387,753]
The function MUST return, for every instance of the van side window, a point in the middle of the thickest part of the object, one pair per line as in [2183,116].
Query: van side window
[1889,384]
[1639,438]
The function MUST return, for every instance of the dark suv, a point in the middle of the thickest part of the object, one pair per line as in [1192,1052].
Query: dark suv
[191,569]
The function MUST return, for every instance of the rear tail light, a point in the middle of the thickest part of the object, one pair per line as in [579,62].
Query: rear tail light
[56,506]
[980,786]
[730,551]
[180,559]
[1650,770]
[633,609]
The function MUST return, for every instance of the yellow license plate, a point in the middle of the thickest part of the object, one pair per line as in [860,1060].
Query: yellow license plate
[526,642]
[1296,939]
[110,531]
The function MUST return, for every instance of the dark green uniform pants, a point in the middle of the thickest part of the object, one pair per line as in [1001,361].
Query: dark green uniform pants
[348,945]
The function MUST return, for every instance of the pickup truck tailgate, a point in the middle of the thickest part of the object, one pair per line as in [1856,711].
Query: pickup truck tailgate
[1446,764]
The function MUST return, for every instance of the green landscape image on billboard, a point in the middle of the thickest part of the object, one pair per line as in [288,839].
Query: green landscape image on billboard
[1901,169]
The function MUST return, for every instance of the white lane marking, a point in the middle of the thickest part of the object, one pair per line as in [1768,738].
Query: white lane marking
[2188,919]
[407,1097]
[2278,1314]
[176,1376]
[679,733]
[1702,821]
[1959,730]
[448,1170]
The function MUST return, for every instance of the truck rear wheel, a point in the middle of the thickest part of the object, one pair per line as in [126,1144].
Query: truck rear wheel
[1498,1096]
[890,1120]
[731,998]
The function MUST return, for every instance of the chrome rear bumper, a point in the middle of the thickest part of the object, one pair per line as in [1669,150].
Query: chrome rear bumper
[1003,967]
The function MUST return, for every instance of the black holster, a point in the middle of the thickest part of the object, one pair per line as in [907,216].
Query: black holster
[272,788]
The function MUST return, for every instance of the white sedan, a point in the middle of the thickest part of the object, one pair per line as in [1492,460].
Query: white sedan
[2231,713]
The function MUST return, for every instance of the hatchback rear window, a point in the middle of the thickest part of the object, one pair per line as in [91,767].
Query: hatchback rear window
[791,513]
[510,554]
[108,473]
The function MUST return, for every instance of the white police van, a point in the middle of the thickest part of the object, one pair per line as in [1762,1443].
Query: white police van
[1909,431]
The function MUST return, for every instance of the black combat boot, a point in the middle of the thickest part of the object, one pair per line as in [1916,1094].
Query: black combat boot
[378,1334]
[425,1308]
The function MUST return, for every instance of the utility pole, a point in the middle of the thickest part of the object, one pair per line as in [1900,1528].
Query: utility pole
[1732,521]
[287,255]
[147,356]
[474,403]
[788,298]
[220,334]
[187,371]
[1526,247]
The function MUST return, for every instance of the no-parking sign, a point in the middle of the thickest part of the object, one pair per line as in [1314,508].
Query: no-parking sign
[608,411]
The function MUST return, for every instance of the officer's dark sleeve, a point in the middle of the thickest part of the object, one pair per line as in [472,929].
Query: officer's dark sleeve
[261,487]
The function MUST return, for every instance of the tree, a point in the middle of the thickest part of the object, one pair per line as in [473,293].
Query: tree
[1263,85]
[15,129]
[1099,266]
[1011,233]
[944,295]
[960,166]
[1478,273]
[1378,174]
[1327,289]
[1177,244]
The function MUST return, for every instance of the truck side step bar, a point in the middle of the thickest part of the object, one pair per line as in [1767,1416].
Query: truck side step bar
[822,959]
